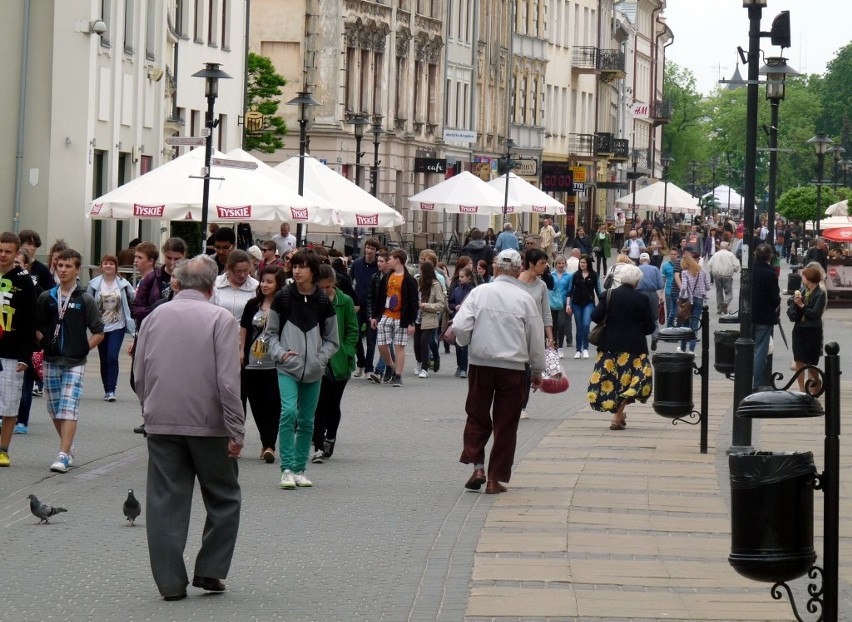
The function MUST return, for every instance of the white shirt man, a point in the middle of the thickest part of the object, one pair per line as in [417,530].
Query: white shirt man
[285,241]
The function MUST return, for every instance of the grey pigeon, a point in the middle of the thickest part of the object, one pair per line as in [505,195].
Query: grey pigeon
[42,510]
[132,509]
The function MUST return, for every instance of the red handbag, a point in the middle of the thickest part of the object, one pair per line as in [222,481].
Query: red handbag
[661,312]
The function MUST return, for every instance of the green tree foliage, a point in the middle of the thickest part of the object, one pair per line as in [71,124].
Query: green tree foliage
[801,203]
[684,138]
[835,90]
[263,93]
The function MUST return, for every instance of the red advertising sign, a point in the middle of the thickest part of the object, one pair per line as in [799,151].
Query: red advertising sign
[298,213]
[96,209]
[242,212]
[468,209]
[148,211]
[427,207]
[367,221]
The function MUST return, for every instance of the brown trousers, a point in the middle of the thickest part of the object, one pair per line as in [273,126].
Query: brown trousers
[505,389]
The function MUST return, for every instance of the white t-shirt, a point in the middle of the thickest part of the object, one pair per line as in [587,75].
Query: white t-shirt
[285,243]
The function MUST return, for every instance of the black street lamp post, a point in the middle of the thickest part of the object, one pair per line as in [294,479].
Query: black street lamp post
[821,144]
[359,123]
[634,160]
[376,131]
[776,70]
[303,100]
[665,161]
[211,74]
[509,144]
[837,152]
[693,165]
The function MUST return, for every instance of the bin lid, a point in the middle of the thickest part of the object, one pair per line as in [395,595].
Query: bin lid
[676,333]
[731,318]
[773,404]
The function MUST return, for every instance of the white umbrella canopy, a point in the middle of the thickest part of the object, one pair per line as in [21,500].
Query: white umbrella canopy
[464,193]
[347,204]
[656,196]
[838,209]
[832,222]
[531,198]
[726,197]
[174,191]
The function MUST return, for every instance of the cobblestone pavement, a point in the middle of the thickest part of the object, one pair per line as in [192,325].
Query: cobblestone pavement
[596,525]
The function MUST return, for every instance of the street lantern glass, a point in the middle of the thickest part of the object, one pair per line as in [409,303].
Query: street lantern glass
[211,74]
[776,71]
[751,3]
[837,152]
[303,100]
[359,123]
[821,143]
[666,160]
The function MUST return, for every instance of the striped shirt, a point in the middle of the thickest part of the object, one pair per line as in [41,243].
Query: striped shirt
[695,286]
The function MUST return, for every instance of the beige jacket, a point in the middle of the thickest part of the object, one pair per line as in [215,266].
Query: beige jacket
[430,316]
[187,369]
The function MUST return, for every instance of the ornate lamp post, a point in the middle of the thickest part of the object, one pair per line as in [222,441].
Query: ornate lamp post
[776,71]
[211,74]
[821,144]
[359,123]
[693,165]
[376,131]
[837,152]
[509,144]
[303,100]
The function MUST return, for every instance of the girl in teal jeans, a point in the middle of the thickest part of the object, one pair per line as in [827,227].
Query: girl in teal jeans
[301,331]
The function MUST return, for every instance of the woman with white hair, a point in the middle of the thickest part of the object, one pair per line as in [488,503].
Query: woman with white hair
[622,373]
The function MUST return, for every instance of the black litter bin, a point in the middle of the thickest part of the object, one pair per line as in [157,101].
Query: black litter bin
[772,515]
[725,341]
[794,282]
[673,373]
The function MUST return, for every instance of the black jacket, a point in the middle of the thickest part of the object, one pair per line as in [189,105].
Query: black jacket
[409,303]
[70,345]
[18,299]
[628,320]
[476,250]
[766,295]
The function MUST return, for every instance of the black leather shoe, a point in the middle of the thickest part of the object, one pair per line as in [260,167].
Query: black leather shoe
[208,583]
[175,597]
[139,429]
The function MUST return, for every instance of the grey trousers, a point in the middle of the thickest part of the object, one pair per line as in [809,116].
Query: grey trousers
[173,464]
[724,292]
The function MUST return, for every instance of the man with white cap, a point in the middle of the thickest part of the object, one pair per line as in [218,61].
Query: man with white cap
[502,327]
[722,266]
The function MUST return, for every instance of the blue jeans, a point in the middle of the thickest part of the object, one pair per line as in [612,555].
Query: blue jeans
[109,349]
[461,357]
[762,333]
[694,319]
[296,428]
[583,320]
[672,310]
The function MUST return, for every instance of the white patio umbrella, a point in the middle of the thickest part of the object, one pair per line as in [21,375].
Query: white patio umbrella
[726,197]
[173,191]
[657,197]
[840,208]
[531,198]
[347,204]
[464,193]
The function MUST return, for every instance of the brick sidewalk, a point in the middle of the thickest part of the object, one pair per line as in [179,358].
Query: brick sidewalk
[634,524]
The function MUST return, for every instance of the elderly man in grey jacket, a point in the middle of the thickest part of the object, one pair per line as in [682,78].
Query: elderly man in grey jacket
[501,325]
[187,369]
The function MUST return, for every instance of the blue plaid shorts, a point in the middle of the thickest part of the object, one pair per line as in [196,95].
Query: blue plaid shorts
[63,388]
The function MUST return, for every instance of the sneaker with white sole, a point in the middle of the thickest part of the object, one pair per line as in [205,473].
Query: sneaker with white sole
[560,353]
[288,481]
[463,374]
[358,372]
[423,374]
[302,481]
[585,354]
[524,414]
[317,457]
[62,463]
[578,354]
[388,375]
[396,381]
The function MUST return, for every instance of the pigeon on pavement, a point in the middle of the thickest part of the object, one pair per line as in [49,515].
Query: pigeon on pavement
[132,509]
[43,511]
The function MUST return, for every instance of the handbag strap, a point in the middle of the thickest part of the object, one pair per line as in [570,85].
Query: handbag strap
[606,307]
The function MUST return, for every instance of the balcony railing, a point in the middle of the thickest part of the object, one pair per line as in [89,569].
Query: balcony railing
[661,112]
[620,150]
[608,63]
[603,144]
[611,62]
[581,144]
[584,58]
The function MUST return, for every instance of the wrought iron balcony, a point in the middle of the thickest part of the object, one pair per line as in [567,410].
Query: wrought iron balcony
[611,64]
[661,112]
[584,59]
[603,144]
[581,144]
[620,150]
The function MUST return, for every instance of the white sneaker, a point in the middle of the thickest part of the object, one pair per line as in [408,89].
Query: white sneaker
[560,352]
[524,414]
[578,355]
[358,372]
[679,350]
[288,481]
[423,374]
[585,354]
[302,481]
[62,464]
[317,457]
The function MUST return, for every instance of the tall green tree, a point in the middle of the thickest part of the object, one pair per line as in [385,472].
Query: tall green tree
[263,93]
[835,90]
[801,203]
[684,138]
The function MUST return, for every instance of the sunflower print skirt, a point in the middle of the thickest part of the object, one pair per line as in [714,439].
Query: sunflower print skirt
[619,376]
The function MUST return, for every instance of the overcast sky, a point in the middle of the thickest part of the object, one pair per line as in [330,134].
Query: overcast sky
[707,33]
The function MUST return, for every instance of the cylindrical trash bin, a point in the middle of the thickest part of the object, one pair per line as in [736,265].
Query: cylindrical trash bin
[725,340]
[673,384]
[794,282]
[772,515]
